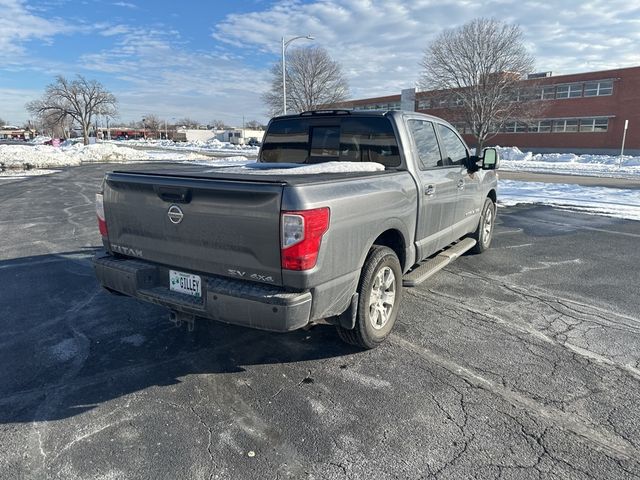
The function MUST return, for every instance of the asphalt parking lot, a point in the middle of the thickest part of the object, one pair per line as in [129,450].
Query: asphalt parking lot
[520,363]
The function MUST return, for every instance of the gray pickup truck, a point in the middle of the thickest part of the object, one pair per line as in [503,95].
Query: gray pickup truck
[279,249]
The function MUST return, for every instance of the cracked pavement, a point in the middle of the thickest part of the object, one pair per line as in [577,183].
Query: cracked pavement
[520,363]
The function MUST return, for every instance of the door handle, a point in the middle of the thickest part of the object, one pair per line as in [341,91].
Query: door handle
[460,184]
[429,190]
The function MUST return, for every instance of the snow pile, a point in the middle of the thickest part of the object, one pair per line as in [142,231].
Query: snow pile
[305,169]
[40,140]
[45,156]
[213,145]
[612,202]
[514,153]
[512,158]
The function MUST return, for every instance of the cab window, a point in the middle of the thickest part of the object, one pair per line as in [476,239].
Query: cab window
[426,142]
[454,147]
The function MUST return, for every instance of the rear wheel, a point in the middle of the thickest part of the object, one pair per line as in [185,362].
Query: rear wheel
[484,232]
[379,294]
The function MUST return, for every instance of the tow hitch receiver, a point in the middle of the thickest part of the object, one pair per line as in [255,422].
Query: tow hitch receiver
[178,318]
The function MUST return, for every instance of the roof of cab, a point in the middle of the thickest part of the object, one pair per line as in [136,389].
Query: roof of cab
[359,113]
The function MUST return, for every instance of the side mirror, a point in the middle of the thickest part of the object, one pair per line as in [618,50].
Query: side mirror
[490,159]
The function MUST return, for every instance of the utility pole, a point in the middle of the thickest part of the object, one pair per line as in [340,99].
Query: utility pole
[624,137]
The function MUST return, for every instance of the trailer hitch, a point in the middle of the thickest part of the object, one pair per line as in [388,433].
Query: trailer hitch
[178,318]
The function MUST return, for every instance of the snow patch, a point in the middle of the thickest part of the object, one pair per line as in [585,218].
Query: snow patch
[612,202]
[512,158]
[305,169]
[72,154]
[213,145]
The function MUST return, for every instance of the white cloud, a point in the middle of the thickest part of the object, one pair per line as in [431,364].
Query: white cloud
[130,5]
[380,43]
[168,79]
[18,25]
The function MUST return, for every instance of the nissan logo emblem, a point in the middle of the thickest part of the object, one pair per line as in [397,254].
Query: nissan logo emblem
[175,214]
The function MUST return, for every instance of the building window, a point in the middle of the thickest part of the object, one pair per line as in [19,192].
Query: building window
[424,104]
[521,127]
[571,125]
[596,89]
[572,90]
[566,126]
[509,127]
[544,126]
[594,124]
[516,127]
[546,93]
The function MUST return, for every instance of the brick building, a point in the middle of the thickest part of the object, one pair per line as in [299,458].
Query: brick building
[580,113]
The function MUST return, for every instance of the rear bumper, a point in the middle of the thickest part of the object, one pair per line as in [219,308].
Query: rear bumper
[231,301]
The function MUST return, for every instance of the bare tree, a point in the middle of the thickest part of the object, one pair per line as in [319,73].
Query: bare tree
[313,79]
[254,125]
[3,123]
[54,125]
[152,125]
[79,99]
[218,125]
[481,64]
[187,122]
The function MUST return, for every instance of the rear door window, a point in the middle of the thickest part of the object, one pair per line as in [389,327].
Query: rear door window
[426,142]
[325,139]
[454,147]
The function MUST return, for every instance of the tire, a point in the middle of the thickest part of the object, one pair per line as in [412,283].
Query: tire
[379,295]
[484,232]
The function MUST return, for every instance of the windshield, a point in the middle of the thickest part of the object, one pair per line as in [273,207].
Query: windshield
[330,139]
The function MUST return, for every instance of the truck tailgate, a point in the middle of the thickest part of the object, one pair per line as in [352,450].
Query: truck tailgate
[227,227]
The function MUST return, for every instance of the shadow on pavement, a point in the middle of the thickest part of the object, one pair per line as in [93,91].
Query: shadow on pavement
[68,346]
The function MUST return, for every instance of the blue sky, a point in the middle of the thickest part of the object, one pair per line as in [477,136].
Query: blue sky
[210,60]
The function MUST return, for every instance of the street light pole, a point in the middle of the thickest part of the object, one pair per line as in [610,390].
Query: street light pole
[284,70]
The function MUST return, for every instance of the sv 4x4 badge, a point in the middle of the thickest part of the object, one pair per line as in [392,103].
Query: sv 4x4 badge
[253,276]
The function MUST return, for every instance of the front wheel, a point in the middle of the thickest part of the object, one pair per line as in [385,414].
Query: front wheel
[484,232]
[379,294]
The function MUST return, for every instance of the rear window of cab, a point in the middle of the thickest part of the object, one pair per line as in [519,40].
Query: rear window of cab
[330,139]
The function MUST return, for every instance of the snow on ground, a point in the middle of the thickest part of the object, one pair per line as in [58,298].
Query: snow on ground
[214,146]
[612,202]
[24,157]
[512,158]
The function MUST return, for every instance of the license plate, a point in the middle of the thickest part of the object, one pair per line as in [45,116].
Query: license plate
[185,283]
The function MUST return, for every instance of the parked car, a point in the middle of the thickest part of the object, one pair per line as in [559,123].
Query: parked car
[254,142]
[282,251]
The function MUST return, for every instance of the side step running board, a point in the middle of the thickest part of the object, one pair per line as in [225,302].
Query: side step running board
[425,270]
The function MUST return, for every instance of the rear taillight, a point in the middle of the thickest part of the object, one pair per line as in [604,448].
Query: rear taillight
[302,232]
[102,223]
